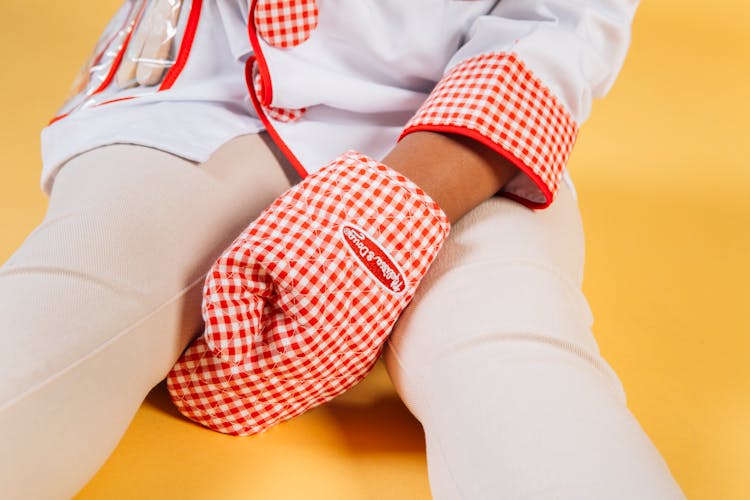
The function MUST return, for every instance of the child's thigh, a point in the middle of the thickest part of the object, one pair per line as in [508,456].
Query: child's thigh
[102,297]
[507,277]
[496,358]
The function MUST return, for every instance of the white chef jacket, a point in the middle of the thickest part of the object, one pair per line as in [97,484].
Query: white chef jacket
[324,76]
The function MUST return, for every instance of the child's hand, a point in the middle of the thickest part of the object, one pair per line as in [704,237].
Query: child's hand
[298,308]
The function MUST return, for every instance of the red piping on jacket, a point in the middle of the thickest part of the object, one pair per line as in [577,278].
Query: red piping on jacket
[174,72]
[185,46]
[266,122]
[262,66]
[59,117]
[127,98]
[121,53]
[115,63]
[99,56]
[267,87]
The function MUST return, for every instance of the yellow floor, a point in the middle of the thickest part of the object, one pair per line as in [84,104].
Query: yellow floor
[663,179]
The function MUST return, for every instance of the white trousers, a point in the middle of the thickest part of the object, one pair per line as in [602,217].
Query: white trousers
[494,355]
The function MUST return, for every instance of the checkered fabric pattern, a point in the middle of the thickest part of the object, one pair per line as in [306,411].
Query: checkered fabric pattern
[496,99]
[284,115]
[285,23]
[298,307]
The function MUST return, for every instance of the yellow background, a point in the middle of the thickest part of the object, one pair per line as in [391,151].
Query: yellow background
[662,173]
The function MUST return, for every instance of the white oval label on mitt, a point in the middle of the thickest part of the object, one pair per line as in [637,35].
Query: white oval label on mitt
[376,260]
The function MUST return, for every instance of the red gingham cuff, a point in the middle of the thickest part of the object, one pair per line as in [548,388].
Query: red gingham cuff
[495,99]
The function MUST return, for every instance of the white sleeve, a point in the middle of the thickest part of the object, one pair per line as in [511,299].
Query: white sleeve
[523,81]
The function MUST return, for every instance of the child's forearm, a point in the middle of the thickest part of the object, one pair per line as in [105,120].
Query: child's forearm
[457,172]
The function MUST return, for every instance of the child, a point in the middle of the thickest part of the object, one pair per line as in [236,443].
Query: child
[192,118]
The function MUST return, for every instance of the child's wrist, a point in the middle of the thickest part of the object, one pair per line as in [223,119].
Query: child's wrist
[457,172]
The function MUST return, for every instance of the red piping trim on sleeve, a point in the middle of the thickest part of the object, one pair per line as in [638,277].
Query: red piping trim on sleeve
[267,123]
[497,100]
[524,201]
[504,152]
[185,46]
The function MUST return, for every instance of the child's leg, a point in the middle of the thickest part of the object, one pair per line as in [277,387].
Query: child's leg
[496,358]
[100,299]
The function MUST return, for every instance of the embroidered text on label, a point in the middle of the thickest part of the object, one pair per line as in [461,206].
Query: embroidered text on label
[374,258]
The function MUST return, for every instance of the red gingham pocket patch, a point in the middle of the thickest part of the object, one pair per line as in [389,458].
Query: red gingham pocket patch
[298,307]
[286,23]
[496,99]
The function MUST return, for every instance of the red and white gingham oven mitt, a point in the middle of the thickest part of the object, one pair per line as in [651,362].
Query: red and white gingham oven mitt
[298,307]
